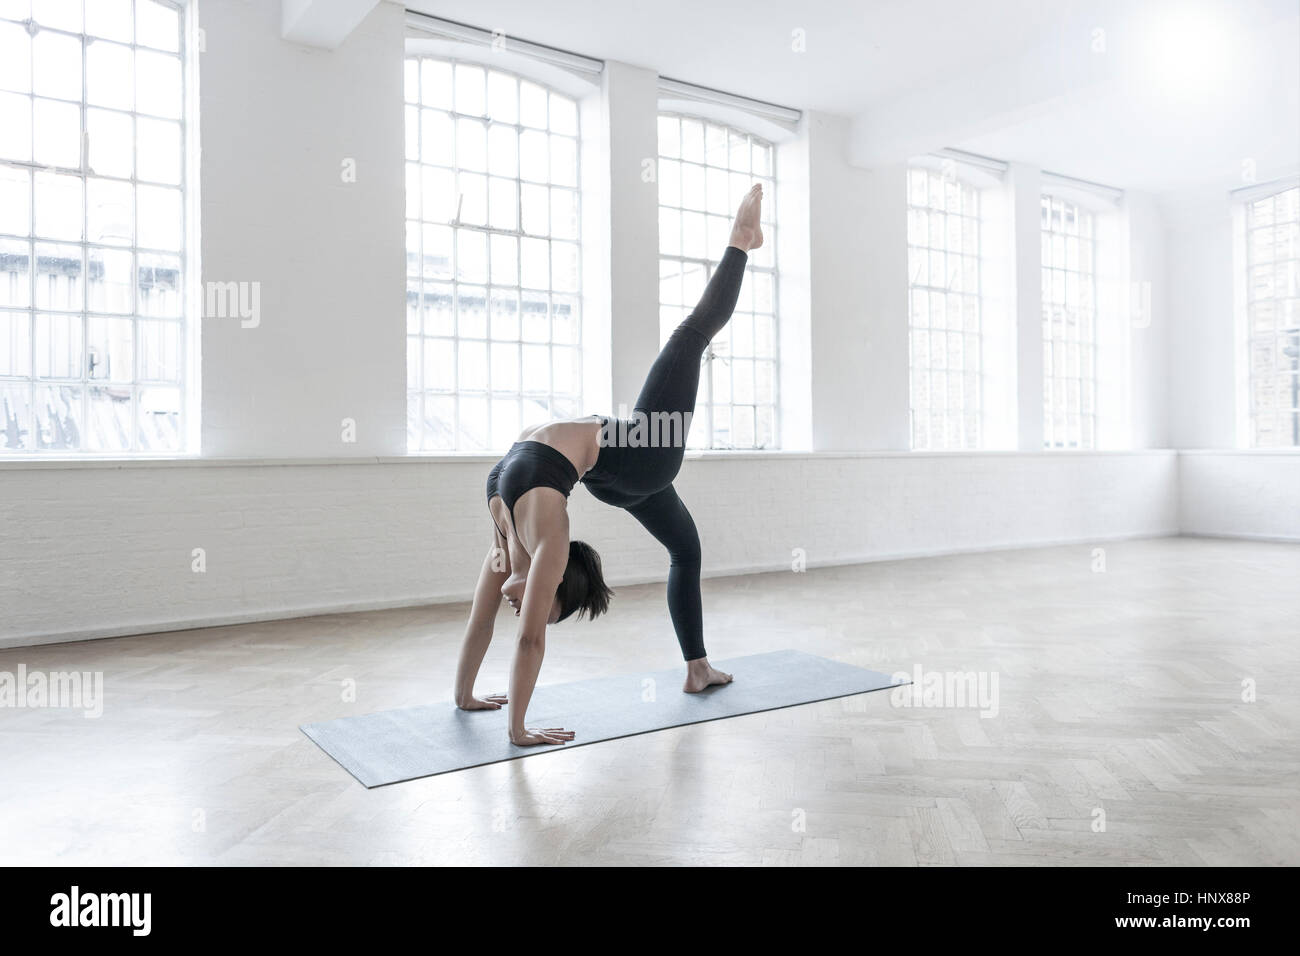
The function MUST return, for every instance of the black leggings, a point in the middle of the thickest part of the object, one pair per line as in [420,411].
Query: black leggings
[635,470]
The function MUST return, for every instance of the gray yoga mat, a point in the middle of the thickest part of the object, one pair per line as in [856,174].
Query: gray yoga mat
[396,745]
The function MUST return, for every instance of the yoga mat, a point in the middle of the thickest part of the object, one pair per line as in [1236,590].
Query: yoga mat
[396,745]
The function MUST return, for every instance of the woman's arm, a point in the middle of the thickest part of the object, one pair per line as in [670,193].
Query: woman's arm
[478,633]
[544,576]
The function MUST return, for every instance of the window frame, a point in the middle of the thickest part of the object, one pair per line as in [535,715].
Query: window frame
[708,263]
[185,322]
[945,412]
[418,433]
[1085,441]
[1277,299]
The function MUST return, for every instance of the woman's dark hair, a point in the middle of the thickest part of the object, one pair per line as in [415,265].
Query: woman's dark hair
[583,588]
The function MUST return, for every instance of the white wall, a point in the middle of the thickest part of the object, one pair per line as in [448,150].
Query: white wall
[858,256]
[1150,321]
[98,549]
[1199,284]
[277,122]
[1244,494]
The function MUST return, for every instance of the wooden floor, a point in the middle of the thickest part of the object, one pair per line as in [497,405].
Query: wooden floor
[1119,692]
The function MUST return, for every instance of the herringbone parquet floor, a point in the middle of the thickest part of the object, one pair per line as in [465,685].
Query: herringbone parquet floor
[1119,700]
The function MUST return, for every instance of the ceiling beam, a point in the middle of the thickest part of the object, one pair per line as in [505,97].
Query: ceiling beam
[324,24]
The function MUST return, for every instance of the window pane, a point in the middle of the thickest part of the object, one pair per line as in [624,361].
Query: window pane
[57,127]
[15,273]
[58,348]
[158,352]
[158,145]
[503,97]
[15,127]
[471,90]
[15,201]
[156,25]
[110,19]
[110,135]
[532,105]
[158,290]
[158,84]
[110,213]
[109,417]
[15,344]
[56,66]
[435,84]
[60,277]
[59,206]
[59,14]
[57,417]
[109,71]
[110,288]
[16,64]
[158,419]
[159,217]
[16,409]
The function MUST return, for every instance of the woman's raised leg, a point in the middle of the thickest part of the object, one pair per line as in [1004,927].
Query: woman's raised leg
[670,388]
[674,378]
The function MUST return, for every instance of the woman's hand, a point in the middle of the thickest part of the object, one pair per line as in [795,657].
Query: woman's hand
[486,702]
[478,633]
[532,737]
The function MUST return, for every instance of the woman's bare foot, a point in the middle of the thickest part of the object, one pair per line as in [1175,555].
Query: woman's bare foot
[700,675]
[746,234]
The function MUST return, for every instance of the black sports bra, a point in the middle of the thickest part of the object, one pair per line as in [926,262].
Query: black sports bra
[528,465]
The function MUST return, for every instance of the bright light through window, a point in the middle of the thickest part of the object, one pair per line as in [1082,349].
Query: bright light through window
[1069,255]
[493,260]
[943,252]
[1273,318]
[92,225]
[704,171]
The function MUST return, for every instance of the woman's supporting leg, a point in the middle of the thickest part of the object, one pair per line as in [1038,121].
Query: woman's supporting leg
[666,518]
[670,388]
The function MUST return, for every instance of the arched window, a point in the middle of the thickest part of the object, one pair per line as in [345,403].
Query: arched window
[704,170]
[493,256]
[94,340]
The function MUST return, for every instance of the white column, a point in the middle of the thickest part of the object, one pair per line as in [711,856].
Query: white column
[858,289]
[631,97]
[1026,187]
[309,212]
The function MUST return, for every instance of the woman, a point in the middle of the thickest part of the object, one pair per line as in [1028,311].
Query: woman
[546,577]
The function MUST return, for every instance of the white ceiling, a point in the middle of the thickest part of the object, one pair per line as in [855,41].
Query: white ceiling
[1183,93]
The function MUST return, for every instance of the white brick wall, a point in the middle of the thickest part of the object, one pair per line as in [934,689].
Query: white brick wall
[95,550]
[1240,494]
